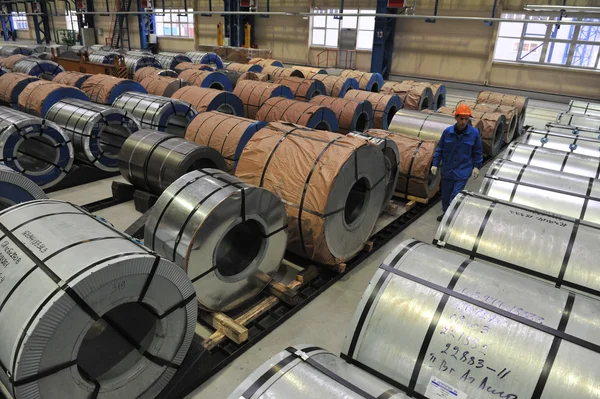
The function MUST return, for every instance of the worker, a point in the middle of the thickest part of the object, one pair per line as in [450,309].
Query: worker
[459,154]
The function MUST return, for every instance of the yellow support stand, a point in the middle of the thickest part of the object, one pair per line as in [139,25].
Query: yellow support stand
[247,31]
[220,33]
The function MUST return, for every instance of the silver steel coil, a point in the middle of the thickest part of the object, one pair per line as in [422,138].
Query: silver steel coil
[432,318]
[6,50]
[420,124]
[34,147]
[152,160]
[170,60]
[584,108]
[103,57]
[581,131]
[85,309]
[16,188]
[562,142]
[79,49]
[135,62]
[100,47]
[156,112]
[554,248]
[40,68]
[307,371]
[567,118]
[230,243]
[559,161]
[199,57]
[561,193]
[97,131]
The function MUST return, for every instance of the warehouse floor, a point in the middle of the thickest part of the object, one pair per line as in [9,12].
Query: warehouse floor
[324,321]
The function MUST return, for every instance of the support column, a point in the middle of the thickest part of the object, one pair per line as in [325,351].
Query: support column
[383,40]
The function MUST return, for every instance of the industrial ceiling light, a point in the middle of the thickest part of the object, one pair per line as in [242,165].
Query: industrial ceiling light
[536,7]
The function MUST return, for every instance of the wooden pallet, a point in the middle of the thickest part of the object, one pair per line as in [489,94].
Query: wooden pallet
[412,200]
[83,64]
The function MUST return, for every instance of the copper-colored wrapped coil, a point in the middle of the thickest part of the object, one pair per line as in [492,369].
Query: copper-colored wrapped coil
[184,66]
[303,89]
[254,94]
[416,97]
[70,78]
[163,85]
[11,85]
[301,113]
[9,62]
[277,72]
[352,116]
[385,106]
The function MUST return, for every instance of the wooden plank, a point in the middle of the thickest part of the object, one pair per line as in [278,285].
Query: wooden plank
[229,327]
[368,246]
[308,274]
[409,205]
[412,198]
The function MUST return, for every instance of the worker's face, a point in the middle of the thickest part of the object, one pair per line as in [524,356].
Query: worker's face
[461,121]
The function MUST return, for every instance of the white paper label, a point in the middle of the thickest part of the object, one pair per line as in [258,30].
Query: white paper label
[440,389]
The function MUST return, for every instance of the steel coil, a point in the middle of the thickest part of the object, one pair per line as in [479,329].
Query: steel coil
[438,92]
[79,49]
[38,68]
[331,214]
[234,77]
[309,72]
[303,89]
[143,73]
[184,66]
[38,97]
[509,112]
[562,142]
[474,329]
[581,131]
[143,52]
[207,79]
[97,131]
[562,193]
[170,60]
[413,97]
[135,62]
[86,309]
[385,106]
[36,148]
[241,228]
[104,57]
[352,116]
[277,72]
[104,89]
[298,112]
[152,161]
[264,62]
[225,133]
[391,154]
[416,155]
[584,108]
[9,62]
[579,120]
[427,126]
[519,102]
[234,66]
[6,50]
[554,248]
[162,85]
[366,81]
[204,100]
[75,79]
[305,369]
[336,86]
[559,161]
[254,94]
[157,113]
[11,85]
[199,57]
[100,47]
[16,188]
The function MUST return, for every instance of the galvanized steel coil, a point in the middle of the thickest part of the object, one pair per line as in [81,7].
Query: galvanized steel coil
[420,124]
[385,106]
[34,147]
[254,94]
[199,57]
[579,120]
[299,112]
[16,188]
[170,60]
[352,116]
[432,318]
[6,50]
[11,85]
[104,89]
[135,62]
[559,249]
[368,81]
[204,100]
[303,89]
[562,193]
[75,79]
[152,161]
[584,108]
[336,86]
[157,113]
[162,85]
[562,142]
[79,49]
[39,68]
[331,214]
[86,310]
[100,47]
[97,131]
[559,161]
[303,370]
[230,243]
[38,97]
[582,131]
[103,57]
[234,77]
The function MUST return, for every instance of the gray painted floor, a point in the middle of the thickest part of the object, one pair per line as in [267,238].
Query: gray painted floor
[324,321]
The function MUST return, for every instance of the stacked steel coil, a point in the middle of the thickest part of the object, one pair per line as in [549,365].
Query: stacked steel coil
[11,85]
[519,102]
[298,112]
[563,142]
[152,160]
[162,85]
[413,97]
[303,89]
[385,106]
[143,73]
[104,89]
[438,91]
[198,57]
[7,50]
[352,116]
[336,86]
[254,94]
[170,60]
[579,120]
[584,108]
[366,80]
[16,188]
[39,68]
[38,97]
[103,57]
[205,100]
[579,131]
[135,62]
[75,79]
[100,47]
[428,126]
[122,317]
[207,79]
[96,131]
[509,112]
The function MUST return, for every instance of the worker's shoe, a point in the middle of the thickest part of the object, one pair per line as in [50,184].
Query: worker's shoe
[439,218]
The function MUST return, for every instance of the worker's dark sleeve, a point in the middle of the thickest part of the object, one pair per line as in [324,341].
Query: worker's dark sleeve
[439,150]
[477,151]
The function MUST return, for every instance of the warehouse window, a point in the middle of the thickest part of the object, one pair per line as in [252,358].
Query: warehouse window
[325,29]
[72,22]
[569,45]
[175,23]
[20,21]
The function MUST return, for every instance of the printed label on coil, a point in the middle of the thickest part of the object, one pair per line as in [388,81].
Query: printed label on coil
[440,389]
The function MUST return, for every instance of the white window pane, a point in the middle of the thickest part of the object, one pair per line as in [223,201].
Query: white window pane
[318,37]
[564,32]
[331,38]
[506,49]
[536,30]
[366,23]
[333,23]
[350,22]
[531,51]
[510,29]
[364,40]
[319,22]
[585,55]
[557,53]
[160,29]
[589,33]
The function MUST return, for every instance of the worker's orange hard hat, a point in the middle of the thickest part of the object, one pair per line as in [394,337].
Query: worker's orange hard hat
[463,110]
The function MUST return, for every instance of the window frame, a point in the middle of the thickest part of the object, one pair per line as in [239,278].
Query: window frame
[327,11]
[160,13]
[18,16]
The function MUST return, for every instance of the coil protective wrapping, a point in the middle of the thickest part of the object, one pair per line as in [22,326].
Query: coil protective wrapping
[240,227]
[331,213]
[428,126]
[437,89]
[336,86]
[34,147]
[225,133]
[206,79]
[303,89]
[198,57]
[309,72]
[560,250]
[184,66]
[413,97]
[254,94]
[579,120]
[152,161]
[157,113]
[9,62]
[562,142]
[366,81]
[519,102]
[352,116]
[278,73]
[104,89]
[16,188]
[306,368]
[298,112]
[243,68]
[38,97]
[135,62]
[11,85]
[204,100]
[75,79]
[97,131]
[526,338]
[264,62]
[385,106]
[509,112]
[86,309]
[169,60]
[38,68]
[163,86]
[584,108]
[416,156]
[143,73]
[562,193]
[235,77]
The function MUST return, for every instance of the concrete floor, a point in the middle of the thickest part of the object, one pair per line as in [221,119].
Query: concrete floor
[325,320]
